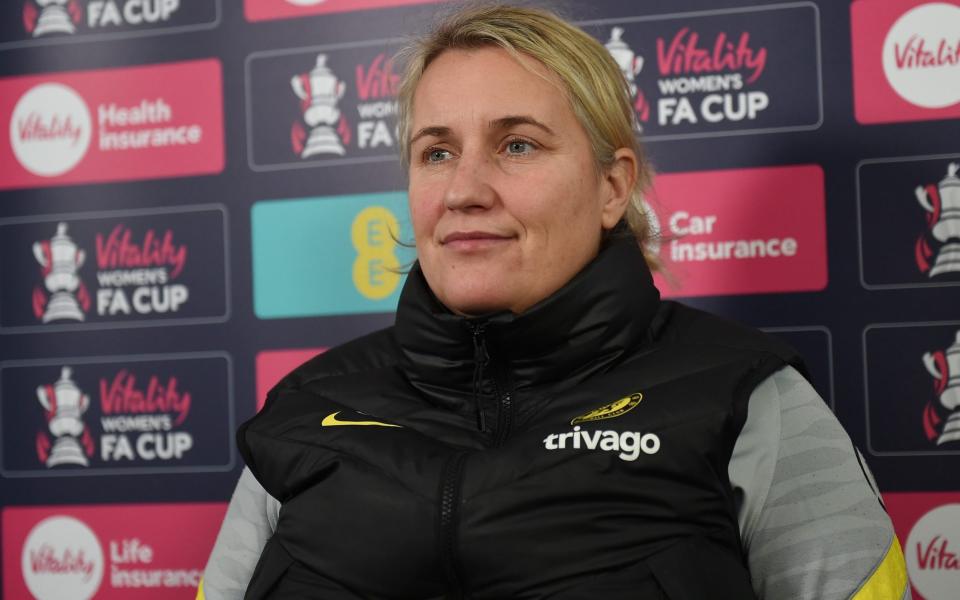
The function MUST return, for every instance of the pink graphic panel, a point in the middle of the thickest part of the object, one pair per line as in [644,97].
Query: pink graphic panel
[260,10]
[928,527]
[906,60]
[143,122]
[742,231]
[273,365]
[110,552]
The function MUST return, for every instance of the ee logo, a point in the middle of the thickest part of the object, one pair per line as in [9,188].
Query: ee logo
[376,270]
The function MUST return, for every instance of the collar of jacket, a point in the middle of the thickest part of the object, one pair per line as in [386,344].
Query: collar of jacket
[585,327]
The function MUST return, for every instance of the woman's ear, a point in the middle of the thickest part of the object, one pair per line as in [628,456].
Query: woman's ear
[619,178]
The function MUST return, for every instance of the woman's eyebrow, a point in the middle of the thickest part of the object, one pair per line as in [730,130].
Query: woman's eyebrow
[514,120]
[501,123]
[435,131]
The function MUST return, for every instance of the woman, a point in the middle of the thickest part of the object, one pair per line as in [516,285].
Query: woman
[538,424]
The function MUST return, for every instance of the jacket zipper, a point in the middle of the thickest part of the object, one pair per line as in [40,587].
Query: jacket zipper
[449,522]
[504,398]
[480,361]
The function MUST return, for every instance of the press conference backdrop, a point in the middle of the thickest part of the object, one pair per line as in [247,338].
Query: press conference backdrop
[198,195]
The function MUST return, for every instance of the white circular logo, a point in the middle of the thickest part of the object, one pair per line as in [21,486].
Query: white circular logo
[920,55]
[62,558]
[933,551]
[50,129]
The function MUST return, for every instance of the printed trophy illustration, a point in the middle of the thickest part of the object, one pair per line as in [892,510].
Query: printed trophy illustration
[61,260]
[947,374]
[630,65]
[944,218]
[65,405]
[320,90]
[53,18]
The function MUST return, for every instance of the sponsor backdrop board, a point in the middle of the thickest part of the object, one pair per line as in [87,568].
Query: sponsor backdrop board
[196,197]
[113,551]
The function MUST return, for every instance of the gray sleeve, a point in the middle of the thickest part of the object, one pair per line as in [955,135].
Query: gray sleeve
[250,521]
[811,522]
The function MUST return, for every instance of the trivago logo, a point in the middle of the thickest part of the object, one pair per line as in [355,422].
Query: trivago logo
[260,10]
[362,239]
[906,60]
[719,71]
[116,416]
[120,124]
[928,525]
[340,107]
[131,267]
[752,233]
[63,21]
[108,551]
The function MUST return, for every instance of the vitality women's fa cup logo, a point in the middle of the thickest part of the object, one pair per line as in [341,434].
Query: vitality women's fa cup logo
[53,16]
[944,366]
[942,203]
[630,65]
[60,259]
[319,91]
[64,404]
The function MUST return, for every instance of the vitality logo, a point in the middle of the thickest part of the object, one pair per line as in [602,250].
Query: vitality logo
[106,416]
[108,552]
[65,21]
[339,106]
[906,60]
[719,72]
[125,266]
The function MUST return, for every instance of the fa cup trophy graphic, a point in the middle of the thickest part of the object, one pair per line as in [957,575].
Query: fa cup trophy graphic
[942,203]
[53,18]
[60,259]
[630,65]
[319,91]
[65,405]
[944,365]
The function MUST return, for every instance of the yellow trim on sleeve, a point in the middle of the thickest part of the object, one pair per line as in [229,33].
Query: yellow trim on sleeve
[200,591]
[889,580]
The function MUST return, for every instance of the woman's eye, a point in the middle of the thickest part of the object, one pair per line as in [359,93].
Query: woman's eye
[519,147]
[434,155]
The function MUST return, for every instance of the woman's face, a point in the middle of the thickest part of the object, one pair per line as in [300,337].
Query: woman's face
[506,203]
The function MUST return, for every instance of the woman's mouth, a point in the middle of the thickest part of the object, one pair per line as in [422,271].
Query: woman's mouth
[467,241]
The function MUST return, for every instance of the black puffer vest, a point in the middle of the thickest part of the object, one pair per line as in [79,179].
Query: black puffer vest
[576,451]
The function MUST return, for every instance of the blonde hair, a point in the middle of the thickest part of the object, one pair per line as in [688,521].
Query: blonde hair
[594,85]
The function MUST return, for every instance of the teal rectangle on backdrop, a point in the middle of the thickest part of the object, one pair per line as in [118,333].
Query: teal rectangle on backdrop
[330,255]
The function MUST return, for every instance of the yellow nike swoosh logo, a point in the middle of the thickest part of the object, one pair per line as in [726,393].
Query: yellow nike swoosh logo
[331,420]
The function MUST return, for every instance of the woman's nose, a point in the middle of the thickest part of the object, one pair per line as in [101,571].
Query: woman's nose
[470,185]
